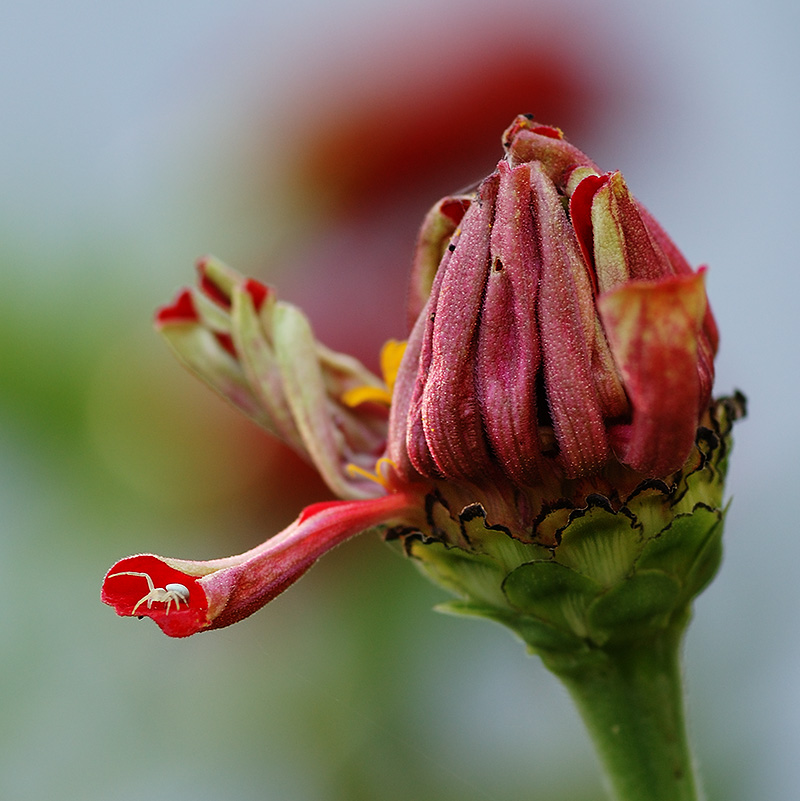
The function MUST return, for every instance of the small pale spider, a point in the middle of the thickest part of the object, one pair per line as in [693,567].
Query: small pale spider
[171,594]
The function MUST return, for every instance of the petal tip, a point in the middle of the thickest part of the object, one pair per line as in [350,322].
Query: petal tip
[182,310]
[146,586]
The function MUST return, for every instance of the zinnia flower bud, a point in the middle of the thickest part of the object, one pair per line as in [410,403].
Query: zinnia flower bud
[545,445]
[564,332]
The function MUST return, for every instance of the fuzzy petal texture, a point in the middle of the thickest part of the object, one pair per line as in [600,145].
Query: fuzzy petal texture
[440,223]
[566,322]
[508,358]
[444,405]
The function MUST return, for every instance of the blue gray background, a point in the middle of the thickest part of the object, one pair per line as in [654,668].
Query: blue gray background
[127,141]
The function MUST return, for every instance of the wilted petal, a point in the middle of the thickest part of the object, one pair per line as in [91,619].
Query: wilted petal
[312,410]
[201,339]
[260,354]
[653,329]
[256,354]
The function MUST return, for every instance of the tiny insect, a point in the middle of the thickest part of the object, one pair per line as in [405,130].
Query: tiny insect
[170,594]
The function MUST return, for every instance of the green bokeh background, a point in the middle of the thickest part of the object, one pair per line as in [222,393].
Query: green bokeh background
[136,137]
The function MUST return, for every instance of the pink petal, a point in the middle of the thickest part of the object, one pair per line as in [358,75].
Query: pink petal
[447,403]
[508,355]
[567,331]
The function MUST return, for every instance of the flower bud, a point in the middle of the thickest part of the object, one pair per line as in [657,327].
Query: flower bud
[564,335]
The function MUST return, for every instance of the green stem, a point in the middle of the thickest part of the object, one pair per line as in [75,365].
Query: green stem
[631,699]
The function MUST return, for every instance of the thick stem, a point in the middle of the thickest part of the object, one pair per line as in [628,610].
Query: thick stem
[631,699]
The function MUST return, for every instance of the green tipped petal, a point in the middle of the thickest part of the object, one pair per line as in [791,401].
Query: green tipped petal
[260,354]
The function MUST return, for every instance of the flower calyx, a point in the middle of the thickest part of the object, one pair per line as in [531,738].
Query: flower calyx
[604,572]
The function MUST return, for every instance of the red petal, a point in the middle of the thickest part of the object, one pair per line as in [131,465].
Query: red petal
[455,209]
[653,330]
[125,592]
[548,130]
[527,142]
[580,210]
[209,288]
[224,591]
[182,310]
[257,291]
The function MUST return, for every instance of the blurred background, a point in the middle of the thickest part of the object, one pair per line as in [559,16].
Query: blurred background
[302,143]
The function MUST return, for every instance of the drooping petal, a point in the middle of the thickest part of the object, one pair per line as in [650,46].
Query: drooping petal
[310,406]
[216,593]
[653,329]
[127,585]
[257,357]
[201,342]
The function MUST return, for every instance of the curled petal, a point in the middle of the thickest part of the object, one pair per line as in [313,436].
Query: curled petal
[131,587]
[614,236]
[210,595]
[527,141]
[181,310]
[204,344]
[653,329]
[260,355]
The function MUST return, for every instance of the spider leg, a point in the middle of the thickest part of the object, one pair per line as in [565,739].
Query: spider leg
[150,584]
[141,601]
